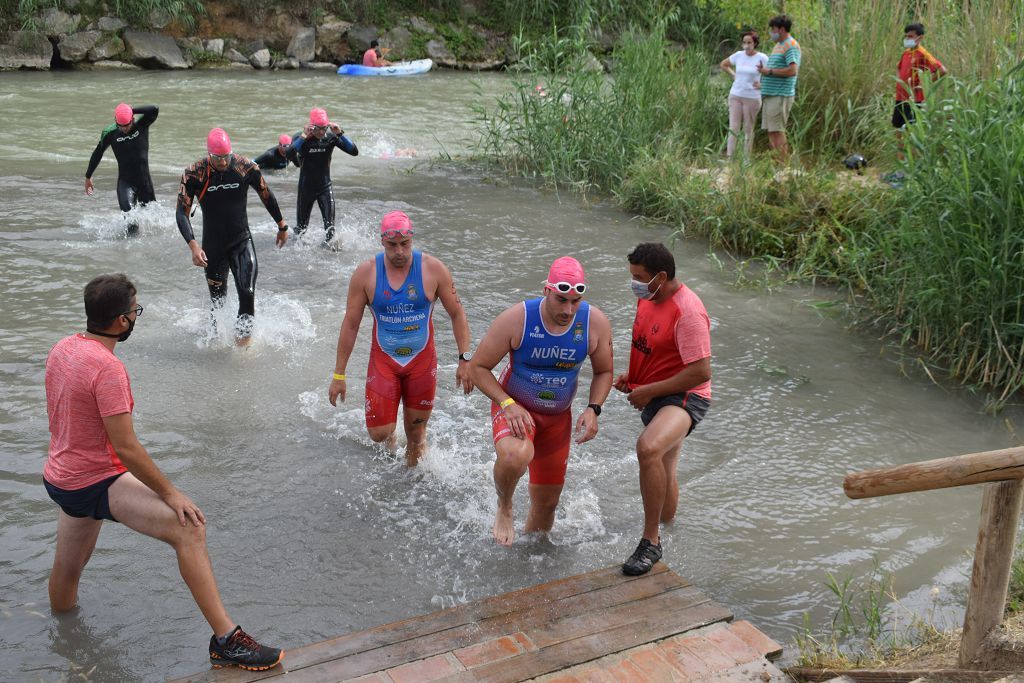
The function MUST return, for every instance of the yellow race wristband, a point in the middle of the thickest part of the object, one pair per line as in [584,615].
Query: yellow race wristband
[507,402]
[337,376]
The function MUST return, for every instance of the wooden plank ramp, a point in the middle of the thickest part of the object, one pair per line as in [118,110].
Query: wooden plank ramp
[540,630]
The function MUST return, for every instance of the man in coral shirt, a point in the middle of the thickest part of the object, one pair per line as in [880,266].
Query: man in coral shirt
[669,379]
[97,469]
[374,56]
[913,61]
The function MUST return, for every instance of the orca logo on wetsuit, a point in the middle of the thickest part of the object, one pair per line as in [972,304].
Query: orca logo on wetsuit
[129,137]
[223,186]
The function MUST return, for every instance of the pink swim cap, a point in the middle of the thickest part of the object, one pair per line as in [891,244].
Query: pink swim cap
[123,114]
[218,142]
[284,140]
[318,117]
[396,222]
[566,269]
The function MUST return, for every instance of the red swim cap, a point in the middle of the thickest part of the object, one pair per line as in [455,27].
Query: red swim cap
[284,140]
[218,142]
[396,222]
[318,117]
[566,269]
[123,114]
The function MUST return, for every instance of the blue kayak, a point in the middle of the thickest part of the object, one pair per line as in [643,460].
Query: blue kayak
[419,66]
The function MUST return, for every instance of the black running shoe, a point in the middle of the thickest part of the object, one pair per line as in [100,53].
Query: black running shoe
[642,559]
[243,651]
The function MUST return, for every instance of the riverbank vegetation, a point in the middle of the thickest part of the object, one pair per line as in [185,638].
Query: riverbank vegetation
[937,261]
[872,629]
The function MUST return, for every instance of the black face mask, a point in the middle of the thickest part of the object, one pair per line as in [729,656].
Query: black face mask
[119,337]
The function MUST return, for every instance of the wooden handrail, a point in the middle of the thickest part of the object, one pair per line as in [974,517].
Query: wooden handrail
[960,470]
[1002,472]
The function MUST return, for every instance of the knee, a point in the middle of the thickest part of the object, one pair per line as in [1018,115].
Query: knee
[378,434]
[189,536]
[647,452]
[517,459]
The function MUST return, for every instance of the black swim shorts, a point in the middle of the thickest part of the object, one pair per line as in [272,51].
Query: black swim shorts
[695,406]
[92,501]
[903,113]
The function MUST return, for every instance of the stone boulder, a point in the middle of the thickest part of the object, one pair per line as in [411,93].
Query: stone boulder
[399,40]
[110,24]
[152,50]
[420,25]
[53,22]
[287,63]
[331,43]
[438,51]
[111,65]
[303,45]
[321,66]
[253,46]
[108,46]
[236,57]
[76,47]
[260,59]
[214,46]
[359,38]
[25,50]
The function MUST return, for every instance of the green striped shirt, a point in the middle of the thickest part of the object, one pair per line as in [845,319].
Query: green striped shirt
[783,54]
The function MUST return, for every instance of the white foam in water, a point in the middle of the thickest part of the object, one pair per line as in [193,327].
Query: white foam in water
[152,219]
[281,322]
[382,146]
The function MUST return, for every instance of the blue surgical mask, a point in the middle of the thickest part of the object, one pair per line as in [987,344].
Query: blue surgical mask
[640,289]
[909,43]
[775,36]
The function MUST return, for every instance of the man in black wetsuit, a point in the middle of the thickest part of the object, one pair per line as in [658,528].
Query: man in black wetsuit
[277,158]
[130,139]
[315,145]
[222,181]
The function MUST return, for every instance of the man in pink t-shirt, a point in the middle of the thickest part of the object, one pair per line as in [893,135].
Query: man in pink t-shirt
[97,469]
[373,56]
[669,379]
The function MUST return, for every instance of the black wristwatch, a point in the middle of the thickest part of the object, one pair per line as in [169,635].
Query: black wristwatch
[596,408]
[283,228]
[465,357]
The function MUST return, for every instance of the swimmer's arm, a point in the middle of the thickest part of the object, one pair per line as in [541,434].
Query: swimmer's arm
[460,321]
[496,344]
[97,153]
[601,360]
[257,181]
[346,145]
[186,191]
[356,302]
[149,113]
[132,453]
[266,158]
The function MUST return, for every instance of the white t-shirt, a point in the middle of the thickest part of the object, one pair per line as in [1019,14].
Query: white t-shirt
[747,74]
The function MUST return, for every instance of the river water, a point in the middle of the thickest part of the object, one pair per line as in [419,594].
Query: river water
[312,530]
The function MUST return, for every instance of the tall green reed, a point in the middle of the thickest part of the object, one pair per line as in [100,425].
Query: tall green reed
[956,286]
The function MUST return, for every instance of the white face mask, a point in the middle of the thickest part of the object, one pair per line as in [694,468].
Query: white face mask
[909,43]
[640,289]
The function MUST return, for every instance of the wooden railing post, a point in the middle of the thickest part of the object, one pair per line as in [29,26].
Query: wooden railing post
[997,530]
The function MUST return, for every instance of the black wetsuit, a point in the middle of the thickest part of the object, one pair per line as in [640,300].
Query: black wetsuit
[273,160]
[131,149]
[226,237]
[315,178]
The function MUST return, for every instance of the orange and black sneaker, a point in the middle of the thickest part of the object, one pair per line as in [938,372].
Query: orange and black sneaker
[241,650]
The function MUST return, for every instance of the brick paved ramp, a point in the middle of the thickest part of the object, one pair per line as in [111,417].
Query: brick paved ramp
[600,626]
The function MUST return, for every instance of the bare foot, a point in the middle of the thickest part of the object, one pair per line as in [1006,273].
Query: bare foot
[413,453]
[504,527]
[391,443]
[243,342]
